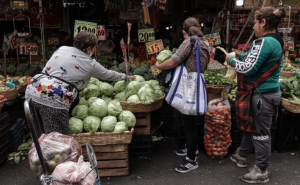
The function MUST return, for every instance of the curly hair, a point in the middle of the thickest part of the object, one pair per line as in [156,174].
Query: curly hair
[272,15]
[85,39]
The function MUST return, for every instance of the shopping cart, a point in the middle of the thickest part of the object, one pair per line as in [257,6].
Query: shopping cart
[34,123]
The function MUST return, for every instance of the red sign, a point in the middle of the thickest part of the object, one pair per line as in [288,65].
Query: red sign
[213,39]
[13,39]
[155,46]
[241,46]
[101,32]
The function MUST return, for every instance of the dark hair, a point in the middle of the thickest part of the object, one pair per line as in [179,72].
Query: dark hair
[272,15]
[192,27]
[85,39]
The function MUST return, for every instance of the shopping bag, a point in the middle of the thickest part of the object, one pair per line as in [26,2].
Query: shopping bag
[187,91]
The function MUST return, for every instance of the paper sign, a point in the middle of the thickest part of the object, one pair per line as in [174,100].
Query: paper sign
[133,5]
[28,48]
[155,46]
[289,43]
[146,35]
[115,4]
[53,41]
[84,25]
[161,4]
[213,39]
[13,39]
[101,32]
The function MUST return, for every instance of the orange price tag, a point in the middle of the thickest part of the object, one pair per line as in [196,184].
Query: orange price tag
[154,46]
[28,48]
[101,32]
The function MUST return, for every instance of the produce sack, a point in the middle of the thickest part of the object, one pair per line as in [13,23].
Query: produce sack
[69,173]
[56,148]
[217,128]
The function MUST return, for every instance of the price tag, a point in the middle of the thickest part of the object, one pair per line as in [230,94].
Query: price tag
[13,39]
[161,4]
[155,46]
[213,39]
[133,5]
[141,24]
[28,48]
[101,32]
[289,43]
[53,41]
[146,35]
[115,4]
[84,25]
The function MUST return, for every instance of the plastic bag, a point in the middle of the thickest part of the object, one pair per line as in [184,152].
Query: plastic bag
[231,73]
[217,128]
[72,172]
[56,148]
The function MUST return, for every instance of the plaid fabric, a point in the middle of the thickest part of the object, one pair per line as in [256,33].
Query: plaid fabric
[244,118]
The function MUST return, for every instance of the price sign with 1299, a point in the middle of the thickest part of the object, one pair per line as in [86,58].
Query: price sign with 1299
[28,48]
[101,32]
[155,46]
[146,35]
[84,25]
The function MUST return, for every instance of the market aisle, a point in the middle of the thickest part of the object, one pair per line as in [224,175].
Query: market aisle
[159,169]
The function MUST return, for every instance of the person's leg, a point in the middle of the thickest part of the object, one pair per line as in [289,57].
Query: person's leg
[189,124]
[239,157]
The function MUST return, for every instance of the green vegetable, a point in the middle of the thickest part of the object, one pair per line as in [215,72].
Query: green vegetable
[146,94]
[106,99]
[290,88]
[127,117]
[91,91]
[91,100]
[139,78]
[93,81]
[133,88]
[216,79]
[91,124]
[120,127]
[80,111]
[108,123]
[114,108]
[106,89]
[120,86]
[121,96]
[133,98]
[163,56]
[82,101]
[75,125]
[122,67]
[98,108]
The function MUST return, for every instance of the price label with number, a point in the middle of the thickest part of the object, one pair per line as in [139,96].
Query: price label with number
[146,35]
[213,39]
[53,41]
[28,48]
[84,25]
[133,5]
[101,32]
[115,4]
[155,46]
[161,4]
[13,39]
[289,43]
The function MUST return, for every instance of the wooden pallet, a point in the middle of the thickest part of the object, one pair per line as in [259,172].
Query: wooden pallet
[112,159]
[143,123]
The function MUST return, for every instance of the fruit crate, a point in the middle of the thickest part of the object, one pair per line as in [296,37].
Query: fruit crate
[13,105]
[112,160]
[143,123]
[16,133]
[288,134]
[4,123]
[141,145]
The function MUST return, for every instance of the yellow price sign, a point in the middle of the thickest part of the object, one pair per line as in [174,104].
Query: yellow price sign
[84,25]
[146,35]
[155,46]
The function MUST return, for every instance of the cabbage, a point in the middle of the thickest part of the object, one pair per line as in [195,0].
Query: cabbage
[75,125]
[91,100]
[120,127]
[127,117]
[120,86]
[114,108]
[121,96]
[153,83]
[139,78]
[91,91]
[163,56]
[81,94]
[158,94]
[82,101]
[106,89]
[99,83]
[91,124]
[98,108]
[146,94]
[106,99]
[80,111]
[133,98]
[108,123]
[133,88]
[93,81]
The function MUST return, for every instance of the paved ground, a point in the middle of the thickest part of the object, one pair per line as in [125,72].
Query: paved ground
[159,169]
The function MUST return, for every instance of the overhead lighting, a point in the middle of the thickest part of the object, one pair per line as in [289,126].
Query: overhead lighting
[167,28]
[202,24]
[239,2]
[170,27]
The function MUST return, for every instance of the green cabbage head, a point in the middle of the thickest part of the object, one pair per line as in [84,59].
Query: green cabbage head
[120,127]
[98,108]
[91,100]
[93,81]
[121,96]
[106,89]
[133,98]
[80,111]
[127,117]
[82,101]
[106,99]
[146,94]
[163,56]
[91,124]
[108,123]
[114,108]
[75,125]
[139,78]
[91,91]
[120,86]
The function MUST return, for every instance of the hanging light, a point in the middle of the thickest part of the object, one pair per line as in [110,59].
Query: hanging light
[202,24]
[167,28]
[170,27]
[239,2]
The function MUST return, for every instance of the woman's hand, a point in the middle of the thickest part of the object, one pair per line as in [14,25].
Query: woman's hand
[157,64]
[238,52]
[130,77]
[228,57]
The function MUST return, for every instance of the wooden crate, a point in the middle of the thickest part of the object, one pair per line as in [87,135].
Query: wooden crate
[112,159]
[143,123]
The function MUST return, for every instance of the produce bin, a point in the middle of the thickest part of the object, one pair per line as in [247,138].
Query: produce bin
[16,133]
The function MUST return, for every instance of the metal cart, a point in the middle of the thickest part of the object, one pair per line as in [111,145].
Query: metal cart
[34,125]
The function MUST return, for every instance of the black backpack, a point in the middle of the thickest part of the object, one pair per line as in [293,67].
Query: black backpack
[165,77]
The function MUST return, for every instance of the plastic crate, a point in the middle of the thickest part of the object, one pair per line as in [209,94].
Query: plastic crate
[16,133]
[141,145]
[4,123]
[13,105]
[288,134]
[4,151]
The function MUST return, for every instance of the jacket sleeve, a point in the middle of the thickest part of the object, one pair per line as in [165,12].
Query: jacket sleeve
[260,51]
[105,74]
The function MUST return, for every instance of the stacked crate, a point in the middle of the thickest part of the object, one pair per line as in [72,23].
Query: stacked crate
[4,136]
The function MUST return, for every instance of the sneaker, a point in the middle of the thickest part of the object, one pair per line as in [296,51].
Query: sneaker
[255,176]
[183,151]
[187,165]
[240,161]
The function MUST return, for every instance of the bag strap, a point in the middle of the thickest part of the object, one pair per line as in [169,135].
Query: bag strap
[47,74]
[193,42]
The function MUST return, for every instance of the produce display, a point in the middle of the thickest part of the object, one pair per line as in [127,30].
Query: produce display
[217,128]
[231,95]
[288,66]
[216,79]
[290,88]
[56,149]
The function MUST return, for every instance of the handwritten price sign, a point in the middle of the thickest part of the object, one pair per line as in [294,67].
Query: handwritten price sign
[13,39]
[84,25]
[155,46]
[146,35]
[115,4]
[53,41]
[28,48]
[101,32]
[289,43]
[133,5]
[213,39]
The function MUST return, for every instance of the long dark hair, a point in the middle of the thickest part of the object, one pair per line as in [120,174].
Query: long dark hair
[192,27]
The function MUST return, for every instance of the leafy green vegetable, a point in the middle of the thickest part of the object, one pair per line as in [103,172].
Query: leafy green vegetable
[127,117]
[91,124]
[139,78]
[82,101]
[75,125]
[120,86]
[121,96]
[91,100]
[133,98]
[120,127]
[80,111]
[106,89]
[290,88]
[91,91]
[108,123]
[98,108]
[114,108]
[106,99]
[163,56]
[216,79]
[146,94]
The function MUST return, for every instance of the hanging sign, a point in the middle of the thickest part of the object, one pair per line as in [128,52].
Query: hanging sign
[13,39]
[133,5]
[161,4]
[155,46]
[213,39]
[289,43]
[115,4]
[129,29]
[28,48]
[123,47]
[101,32]
[53,41]
[84,25]
[146,35]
